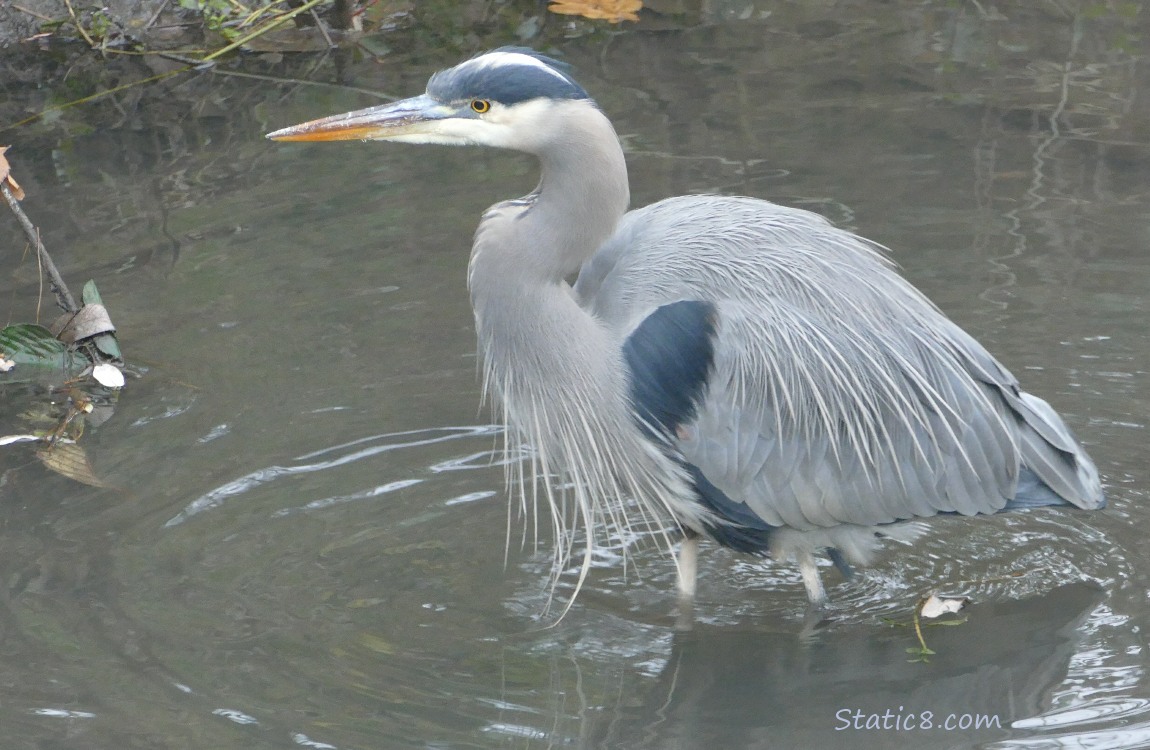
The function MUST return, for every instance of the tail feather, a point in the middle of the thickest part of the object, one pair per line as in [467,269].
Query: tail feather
[1055,468]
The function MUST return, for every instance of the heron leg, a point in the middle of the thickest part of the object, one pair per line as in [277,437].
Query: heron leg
[688,565]
[809,570]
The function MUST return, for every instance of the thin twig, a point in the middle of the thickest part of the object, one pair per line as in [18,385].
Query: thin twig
[63,297]
[79,26]
[93,97]
[258,13]
[34,14]
[156,16]
[301,82]
[39,279]
[322,29]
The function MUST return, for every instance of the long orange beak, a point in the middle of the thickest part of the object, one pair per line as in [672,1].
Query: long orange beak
[402,120]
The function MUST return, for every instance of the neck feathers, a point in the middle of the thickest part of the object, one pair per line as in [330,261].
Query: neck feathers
[582,193]
[556,373]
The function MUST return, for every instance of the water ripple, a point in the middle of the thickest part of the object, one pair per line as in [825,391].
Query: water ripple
[332,457]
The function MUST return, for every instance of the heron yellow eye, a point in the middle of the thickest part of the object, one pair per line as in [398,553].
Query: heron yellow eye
[480,106]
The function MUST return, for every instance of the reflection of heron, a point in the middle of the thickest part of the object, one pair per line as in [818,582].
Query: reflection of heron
[767,379]
[726,686]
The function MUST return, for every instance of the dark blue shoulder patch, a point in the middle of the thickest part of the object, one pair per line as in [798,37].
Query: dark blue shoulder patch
[670,357]
[500,77]
[744,532]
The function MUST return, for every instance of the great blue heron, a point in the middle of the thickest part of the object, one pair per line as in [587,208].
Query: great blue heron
[766,379]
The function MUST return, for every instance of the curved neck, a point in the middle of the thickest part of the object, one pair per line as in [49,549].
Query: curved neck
[583,190]
[581,196]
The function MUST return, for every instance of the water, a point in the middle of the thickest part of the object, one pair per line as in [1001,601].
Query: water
[305,548]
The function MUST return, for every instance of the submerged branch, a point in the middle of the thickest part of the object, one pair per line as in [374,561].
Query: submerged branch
[64,297]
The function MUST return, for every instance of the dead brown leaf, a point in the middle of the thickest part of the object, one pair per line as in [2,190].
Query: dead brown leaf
[71,461]
[605,10]
[90,320]
[13,186]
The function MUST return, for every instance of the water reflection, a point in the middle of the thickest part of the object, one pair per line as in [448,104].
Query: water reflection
[725,688]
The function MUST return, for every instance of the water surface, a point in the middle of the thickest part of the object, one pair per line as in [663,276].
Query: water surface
[307,549]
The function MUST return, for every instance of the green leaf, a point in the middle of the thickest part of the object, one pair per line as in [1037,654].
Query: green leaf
[105,342]
[109,346]
[30,344]
[90,295]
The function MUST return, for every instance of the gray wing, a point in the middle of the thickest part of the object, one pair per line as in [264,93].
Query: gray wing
[837,393]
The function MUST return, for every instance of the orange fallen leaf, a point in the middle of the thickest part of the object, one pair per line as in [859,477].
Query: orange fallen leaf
[605,10]
[17,193]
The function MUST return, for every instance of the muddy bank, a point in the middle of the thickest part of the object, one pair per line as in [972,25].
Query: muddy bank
[23,20]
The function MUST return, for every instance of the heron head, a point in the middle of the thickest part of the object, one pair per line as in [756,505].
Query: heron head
[504,98]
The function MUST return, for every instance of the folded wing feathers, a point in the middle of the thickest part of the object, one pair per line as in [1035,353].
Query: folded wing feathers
[840,394]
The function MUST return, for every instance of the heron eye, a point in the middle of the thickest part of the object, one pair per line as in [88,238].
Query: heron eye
[480,106]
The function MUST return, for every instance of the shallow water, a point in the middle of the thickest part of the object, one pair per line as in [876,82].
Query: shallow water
[306,548]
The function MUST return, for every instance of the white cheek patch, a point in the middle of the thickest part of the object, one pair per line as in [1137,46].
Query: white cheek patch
[523,112]
[524,116]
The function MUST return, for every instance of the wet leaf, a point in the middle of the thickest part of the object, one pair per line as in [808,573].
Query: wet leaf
[90,295]
[109,346]
[108,376]
[13,186]
[100,414]
[30,344]
[105,342]
[90,320]
[936,606]
[604,10]
[71,461]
